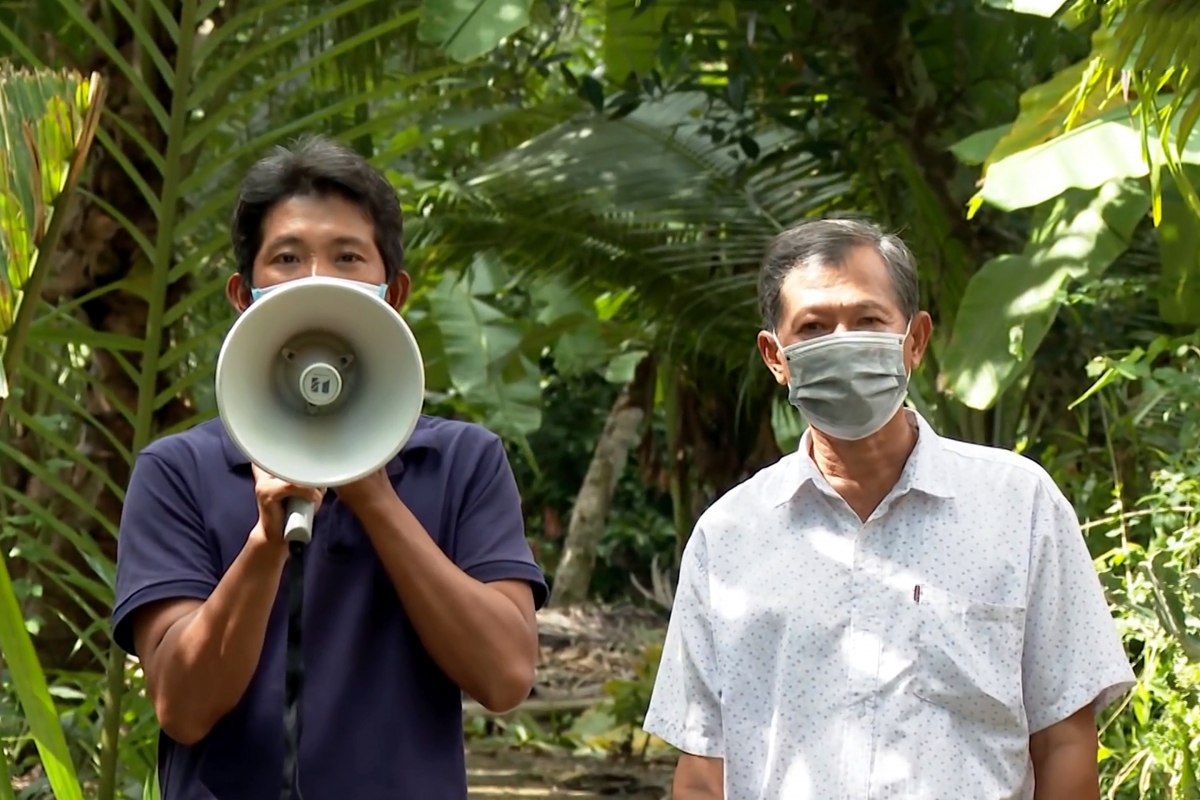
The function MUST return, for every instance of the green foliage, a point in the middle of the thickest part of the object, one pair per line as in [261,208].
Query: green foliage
[48,120]
[1143,532]
[1012,300]
[575,205]
[632,35]
[643,198]
[1042,8]
[467,29]
[1110,147]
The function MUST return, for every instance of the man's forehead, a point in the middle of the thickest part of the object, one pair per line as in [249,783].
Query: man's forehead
[306,210]
[837,288]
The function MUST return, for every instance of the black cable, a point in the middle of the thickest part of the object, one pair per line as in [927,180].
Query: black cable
[294,676]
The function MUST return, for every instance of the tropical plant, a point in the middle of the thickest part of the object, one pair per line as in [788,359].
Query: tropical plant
[639,207]
[1118,126]
[48,120]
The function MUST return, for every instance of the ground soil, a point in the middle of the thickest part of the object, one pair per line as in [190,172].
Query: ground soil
[510,774]
[581,649]
[584,646]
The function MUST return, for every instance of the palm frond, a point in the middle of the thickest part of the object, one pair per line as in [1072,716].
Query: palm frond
[48,120]
[646,200]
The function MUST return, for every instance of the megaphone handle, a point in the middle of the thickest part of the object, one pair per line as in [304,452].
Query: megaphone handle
[298,522]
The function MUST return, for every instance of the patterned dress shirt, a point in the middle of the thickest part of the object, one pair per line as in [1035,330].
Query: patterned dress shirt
[910,656]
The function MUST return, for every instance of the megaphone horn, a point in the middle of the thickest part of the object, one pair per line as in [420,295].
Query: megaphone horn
[319,383]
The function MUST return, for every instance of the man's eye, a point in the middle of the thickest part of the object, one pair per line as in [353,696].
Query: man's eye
[287,258]
[350,257]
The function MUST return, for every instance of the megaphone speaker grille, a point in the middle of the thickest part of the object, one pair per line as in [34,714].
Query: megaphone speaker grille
[333,431]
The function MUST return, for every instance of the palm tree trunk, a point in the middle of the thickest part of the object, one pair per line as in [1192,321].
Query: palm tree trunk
[594,501]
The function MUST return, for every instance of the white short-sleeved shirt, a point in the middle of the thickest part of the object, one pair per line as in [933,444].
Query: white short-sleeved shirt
[908,657]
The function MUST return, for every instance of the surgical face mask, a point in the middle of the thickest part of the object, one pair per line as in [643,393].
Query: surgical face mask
[380,290]
[848,385]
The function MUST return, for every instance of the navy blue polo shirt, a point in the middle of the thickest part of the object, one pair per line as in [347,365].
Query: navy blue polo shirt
[381,720]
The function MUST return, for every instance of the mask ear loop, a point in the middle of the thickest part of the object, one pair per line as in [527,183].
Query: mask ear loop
[903,343]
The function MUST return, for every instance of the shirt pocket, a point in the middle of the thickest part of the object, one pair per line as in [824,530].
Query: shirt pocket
[969,656]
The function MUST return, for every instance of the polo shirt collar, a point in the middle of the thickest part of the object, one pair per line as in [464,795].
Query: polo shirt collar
[924,472]
[422,438]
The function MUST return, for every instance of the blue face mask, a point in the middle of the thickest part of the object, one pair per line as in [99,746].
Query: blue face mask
[255,294]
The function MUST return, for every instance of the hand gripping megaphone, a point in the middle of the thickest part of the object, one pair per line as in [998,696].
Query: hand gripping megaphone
[319,383]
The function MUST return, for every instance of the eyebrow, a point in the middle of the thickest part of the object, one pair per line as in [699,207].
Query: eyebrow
[864,307]
[290,240]
[870,305]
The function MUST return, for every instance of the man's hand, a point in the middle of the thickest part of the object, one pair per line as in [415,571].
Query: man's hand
[698,778]
[1064,759]
[361,493]
[270,492]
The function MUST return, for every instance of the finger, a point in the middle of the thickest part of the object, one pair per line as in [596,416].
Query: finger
[285,490]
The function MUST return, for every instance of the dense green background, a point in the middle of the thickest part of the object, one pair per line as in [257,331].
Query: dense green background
[588,188]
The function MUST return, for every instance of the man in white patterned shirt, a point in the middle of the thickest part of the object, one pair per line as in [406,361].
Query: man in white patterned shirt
[885,613]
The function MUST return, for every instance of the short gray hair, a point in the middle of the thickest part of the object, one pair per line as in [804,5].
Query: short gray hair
[827,242]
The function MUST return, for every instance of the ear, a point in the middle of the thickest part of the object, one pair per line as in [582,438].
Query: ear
[237,292]
[398,288]
[919,333]
[773,357]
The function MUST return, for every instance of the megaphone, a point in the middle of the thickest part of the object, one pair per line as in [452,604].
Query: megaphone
[319,383]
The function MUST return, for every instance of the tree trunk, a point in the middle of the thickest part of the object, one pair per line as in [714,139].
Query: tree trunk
[592,504]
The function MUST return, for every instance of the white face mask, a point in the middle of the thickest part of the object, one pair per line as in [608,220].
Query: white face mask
[848,385]
[380,289]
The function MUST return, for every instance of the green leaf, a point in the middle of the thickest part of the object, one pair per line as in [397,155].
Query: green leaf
[621,369]
[578,343]
[467,29]
[150,790]
[34,694]
[787,424]
[1010,303]
[1179,250]
[47,124]
[1048,109]
[482,347]
[976,148]
[1041,8]
[1104,150]
[632,35]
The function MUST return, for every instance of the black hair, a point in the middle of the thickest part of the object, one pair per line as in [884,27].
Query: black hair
[827,242]
[315,165]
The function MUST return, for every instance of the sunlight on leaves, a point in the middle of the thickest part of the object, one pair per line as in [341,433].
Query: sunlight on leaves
[47,120]
[467,29]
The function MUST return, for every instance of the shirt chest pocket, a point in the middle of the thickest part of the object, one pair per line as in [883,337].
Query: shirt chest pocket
[969,655]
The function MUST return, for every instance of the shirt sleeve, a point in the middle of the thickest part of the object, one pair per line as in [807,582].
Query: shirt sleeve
[685,707]
[490,542]
[163,550]
[1073,654]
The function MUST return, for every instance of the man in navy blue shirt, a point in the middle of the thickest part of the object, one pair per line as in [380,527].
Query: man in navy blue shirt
[418,583]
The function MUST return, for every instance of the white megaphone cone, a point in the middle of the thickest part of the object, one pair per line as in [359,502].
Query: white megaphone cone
[319,383]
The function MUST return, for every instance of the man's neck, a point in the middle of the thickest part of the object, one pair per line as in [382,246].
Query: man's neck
[864,471]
